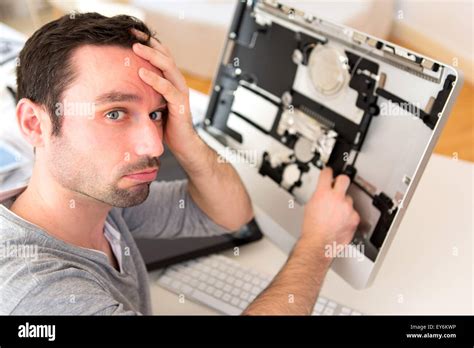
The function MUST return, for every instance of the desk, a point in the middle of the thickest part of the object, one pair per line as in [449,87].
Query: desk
[428,269]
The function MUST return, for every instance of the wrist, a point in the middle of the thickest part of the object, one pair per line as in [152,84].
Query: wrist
[183,145]
[318,247]
[193,155]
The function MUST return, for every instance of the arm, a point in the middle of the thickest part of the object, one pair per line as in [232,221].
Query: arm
[215,187]
[329,217]
[296,287]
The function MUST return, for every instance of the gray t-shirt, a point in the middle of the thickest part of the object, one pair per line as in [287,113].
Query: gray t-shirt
[42,275]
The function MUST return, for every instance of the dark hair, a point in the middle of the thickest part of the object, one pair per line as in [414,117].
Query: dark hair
[45,70]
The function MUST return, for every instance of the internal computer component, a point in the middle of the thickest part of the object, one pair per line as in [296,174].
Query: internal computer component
[305,94]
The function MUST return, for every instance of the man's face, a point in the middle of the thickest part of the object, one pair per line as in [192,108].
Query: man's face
[110,128]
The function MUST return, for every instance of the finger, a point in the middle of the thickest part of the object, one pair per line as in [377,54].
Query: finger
[154,42]
[161,85]
[325,179]
[341,184]
[159,46]
[155,57]
[139,34]
[355,218]
[164,63]
[349,200]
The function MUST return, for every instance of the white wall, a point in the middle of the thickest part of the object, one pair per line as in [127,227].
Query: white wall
[446,23]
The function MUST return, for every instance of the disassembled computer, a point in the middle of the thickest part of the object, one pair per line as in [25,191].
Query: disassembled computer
[302,93]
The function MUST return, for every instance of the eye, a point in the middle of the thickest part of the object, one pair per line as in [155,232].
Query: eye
[157,115]
[115,115]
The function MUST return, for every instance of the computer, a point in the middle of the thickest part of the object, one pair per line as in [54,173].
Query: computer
[295,93]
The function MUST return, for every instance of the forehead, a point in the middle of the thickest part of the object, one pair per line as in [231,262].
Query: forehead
[109,68]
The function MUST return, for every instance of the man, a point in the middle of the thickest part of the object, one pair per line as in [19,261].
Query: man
[97,97]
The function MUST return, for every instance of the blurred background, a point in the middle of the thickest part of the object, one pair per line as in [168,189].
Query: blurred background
[195,32]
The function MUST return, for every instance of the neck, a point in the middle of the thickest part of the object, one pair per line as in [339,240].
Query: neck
[67,215]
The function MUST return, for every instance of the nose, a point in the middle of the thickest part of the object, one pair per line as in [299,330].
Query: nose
[149,139]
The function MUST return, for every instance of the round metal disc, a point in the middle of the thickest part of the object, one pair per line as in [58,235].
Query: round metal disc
[328,69]
[303,150]
[291,174]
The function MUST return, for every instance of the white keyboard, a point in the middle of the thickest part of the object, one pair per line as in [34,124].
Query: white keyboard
[224,285]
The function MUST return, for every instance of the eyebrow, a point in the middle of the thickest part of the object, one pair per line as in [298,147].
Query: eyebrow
[114,96]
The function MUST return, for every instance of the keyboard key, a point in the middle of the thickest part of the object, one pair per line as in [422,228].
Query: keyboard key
[268,278]
[219,284]
[215,303]
[328,311]
[202,286]
[218,293]
[247,286]
[176,284]
[239,283]
[235,291]
[210,290]
[186,289]
[243,304]
[255,290]
[322,300]
[244,295]
[318,308]
[226,297]
[235,301]
[227,288]
[165,280]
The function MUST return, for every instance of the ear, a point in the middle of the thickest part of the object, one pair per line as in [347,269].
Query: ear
[33,121]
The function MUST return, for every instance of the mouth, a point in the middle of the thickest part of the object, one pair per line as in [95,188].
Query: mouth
[144,175]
